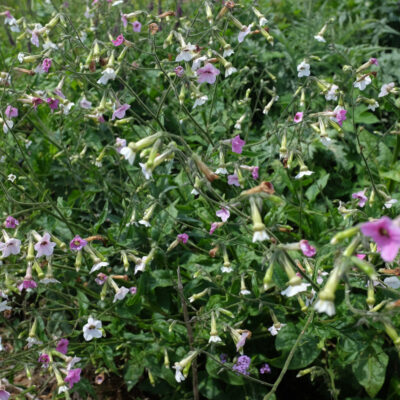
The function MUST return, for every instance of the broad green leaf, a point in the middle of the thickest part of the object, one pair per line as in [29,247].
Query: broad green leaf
[370,369]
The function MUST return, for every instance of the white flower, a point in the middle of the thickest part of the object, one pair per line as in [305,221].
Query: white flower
[49,45]
[325,306]
[244,32]
[32,340]
[373,106]
[392,281]
[362,83]
[197,62]
[260,236]
[8,124]
[72,362]
[141,265]
[66,108]
[187,53]
[226,270]
[293,290]
[20,57]
[320,38]
[12,177]
[128,154]
[303,173]
[179,377]
[92,329]
[200,101]
[194,192]
[389,203]
[4,306]
[145,223]
[97,266]
[273,330]
[229,71]
[332,93]
[120,295]
[303,69]
[62,389]
[326,141]
[214,339]
[245,292]
[107,74]
[228,51]
[263,21]
[385,89]
[148,173]
[1,346]
[221,171]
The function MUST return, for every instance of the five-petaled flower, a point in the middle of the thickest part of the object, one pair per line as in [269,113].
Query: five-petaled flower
[74,376]
[77,243]
[208,74]
[92,329]
[386,235]
[119,40]
[237,144]
[45,246]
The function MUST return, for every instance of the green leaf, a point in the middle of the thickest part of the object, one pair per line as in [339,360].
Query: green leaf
[317,187]
[306,352]
[392,175]
[370,369]
[132,375]
[102,218]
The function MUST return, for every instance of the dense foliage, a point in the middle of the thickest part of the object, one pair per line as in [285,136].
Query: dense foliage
[199,199]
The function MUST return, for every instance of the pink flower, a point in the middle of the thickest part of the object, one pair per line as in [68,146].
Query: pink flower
[36,101]
[237,144]
[137,26]
[101,278]
[385,234]
[180,71]
[183,238]
[373,61]
[223,213]
[27,284]
[59,93]
[307,249]
[46,64]
[298,117]
[11,112]
[35,39]
[10,246]
[362,198]
[133,290]
[62,346]
[4,395]
[242,340]
[44,247]
[243,33]
[77,243]
[74,376]
[254,173]
[213,227]
[53,103]
[233,180]
[120,112]
[208,74]
[44,359]
[340,115]
[11,222]
[124,20]
[118,41]
[361,256]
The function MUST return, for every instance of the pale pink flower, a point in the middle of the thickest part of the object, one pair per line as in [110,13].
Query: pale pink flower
[137,26]
[237,144]
[124,20]
[254,173]
[223,213]
[120,112]
[119,144]
[45,246]
[11,112]
[362,198]
[213,227]
[208,74]
[233,180]
[11,222]
[243,33]
[307,249]
[179,71]
[10,246]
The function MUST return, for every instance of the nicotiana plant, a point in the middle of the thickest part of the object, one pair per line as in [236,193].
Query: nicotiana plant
[199,198]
